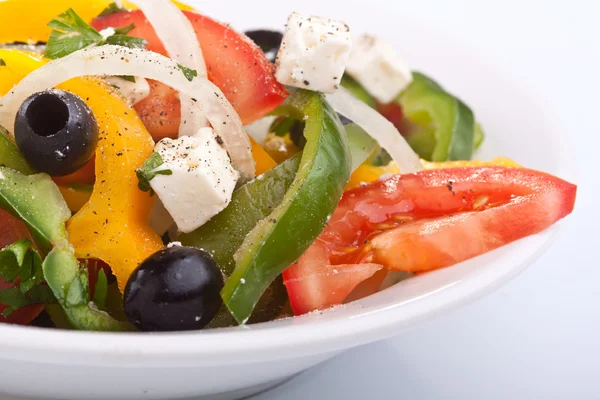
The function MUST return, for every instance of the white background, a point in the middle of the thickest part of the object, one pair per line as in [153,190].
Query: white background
[539,336]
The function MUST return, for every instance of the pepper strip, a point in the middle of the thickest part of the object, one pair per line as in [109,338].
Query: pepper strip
[445,126]
[282,237]
[36,200]
[113,225]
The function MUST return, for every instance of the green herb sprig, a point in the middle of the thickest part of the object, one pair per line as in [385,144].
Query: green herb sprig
[149,170]
[71,33]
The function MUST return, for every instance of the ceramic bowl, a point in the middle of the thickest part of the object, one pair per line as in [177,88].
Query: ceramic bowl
[236,362]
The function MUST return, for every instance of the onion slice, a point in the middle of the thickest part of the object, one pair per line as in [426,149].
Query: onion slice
[117,60]
[177,34]
[378,127]
[260,129]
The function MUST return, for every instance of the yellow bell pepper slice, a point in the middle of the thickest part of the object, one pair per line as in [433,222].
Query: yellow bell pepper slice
[75,197]
[113,225]
[262,159]
[27,20]
[369,173]
[496,162]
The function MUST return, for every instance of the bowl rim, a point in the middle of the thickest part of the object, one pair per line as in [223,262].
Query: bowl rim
[265,340]
[304,336]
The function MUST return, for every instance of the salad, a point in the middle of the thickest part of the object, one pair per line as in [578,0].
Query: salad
[161,171]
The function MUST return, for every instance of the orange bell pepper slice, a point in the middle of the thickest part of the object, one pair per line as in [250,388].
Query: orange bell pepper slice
[113,225]
[27,20]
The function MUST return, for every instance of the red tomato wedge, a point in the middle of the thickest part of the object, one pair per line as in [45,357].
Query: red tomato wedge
[392,111]
[234,63]
[86,175]
[11,230]
[424,221]
[313,283]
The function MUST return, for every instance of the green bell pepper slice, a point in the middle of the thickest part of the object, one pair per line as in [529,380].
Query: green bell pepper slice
[444,127]
[10,156]
[281,238]
[478,136]
[357,90]
[225,233]
[37,201]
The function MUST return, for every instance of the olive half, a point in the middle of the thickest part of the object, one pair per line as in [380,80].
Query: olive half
[175,289]
[56,132]
[268,41]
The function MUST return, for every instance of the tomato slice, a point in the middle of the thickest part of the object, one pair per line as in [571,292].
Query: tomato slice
[234,63]
[86,175]
[11,230]
[392,111]
[424,221]
[313,283]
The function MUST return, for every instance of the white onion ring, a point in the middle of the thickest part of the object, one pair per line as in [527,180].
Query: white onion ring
[260,129]
[378,127]
[177,34]
[116,60]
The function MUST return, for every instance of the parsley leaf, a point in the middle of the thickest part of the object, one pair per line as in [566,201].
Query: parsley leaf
[2,63]
[71,33]
[125,30]
[128,78]
[125,41]
[149,170]
[14,299]
[190,74]
[112,8]
[101,290]
[21,260]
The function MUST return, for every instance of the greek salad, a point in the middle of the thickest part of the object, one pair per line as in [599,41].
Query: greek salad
[161,171]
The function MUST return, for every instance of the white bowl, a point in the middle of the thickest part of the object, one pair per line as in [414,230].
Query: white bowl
[235,362]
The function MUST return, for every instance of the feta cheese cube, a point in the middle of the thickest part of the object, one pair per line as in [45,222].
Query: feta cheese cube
[313,53]
[378,68]
[202,179]
[160,219]
[134,92]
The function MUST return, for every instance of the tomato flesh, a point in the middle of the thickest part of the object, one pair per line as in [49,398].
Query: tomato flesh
[234,63]
[429,220]
[86,175]
[11,230]
[392,111]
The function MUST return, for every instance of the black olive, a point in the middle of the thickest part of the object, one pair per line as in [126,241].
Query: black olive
[297,131]
[175,289]
[56,132]
[297,134]
[38,47]
[345,121]
[268,41]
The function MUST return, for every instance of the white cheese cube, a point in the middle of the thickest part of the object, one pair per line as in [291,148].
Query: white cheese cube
[313,53]
[202,179]
[378,68]
[160,219]
[134,92]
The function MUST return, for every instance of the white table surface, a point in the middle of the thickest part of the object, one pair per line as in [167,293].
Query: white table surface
[539,336]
